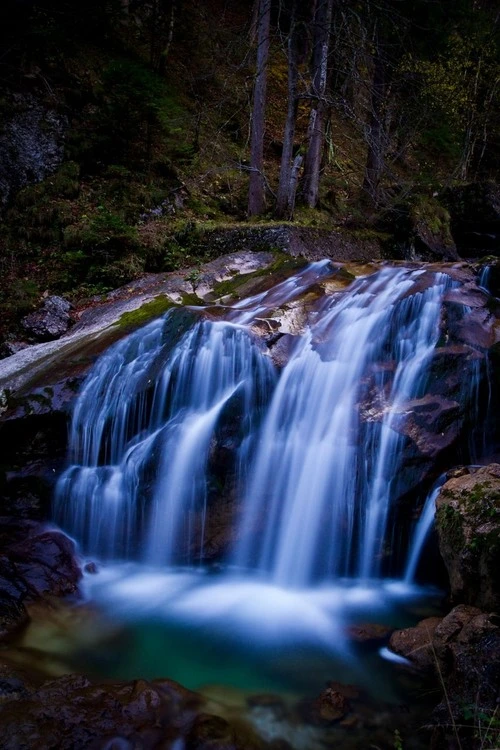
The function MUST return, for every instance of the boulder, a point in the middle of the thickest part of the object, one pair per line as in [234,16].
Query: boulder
[35,562]
[415,643]
[475,217]
[468,525]
[50,321]
[422,229]
[331,705]
[463,651]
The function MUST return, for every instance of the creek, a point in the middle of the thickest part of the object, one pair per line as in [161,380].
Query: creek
[250,516]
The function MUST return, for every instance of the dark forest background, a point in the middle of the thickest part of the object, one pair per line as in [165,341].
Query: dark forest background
[129,127]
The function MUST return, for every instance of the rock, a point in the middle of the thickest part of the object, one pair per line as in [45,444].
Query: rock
[475,217]
[8,348]
[73,712]
[211,733]
[467,647]
[415,643]
[46,564]
[368,632]
[50,321]
[422,229]
[31,143]
[331,705]
[468,525]
[282,350]
[13,616]
[432,422]
[35,562]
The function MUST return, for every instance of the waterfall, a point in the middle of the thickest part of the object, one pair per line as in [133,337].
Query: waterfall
[324,478]
[313,462]
[484,278]
[141,435]
[422,530]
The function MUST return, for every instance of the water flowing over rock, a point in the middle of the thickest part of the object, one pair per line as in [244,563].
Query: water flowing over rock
[304,468]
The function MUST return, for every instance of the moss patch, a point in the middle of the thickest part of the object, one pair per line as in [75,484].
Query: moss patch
[150,310]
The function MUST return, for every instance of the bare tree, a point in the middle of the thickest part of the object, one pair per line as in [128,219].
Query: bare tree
[285,199]
[376,127]
[256,190]
[319,106]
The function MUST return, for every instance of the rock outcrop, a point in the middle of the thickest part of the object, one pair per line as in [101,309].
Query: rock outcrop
[462,651]
[468,524]
[35,562]
[475,217]
[50,322]
[31,143]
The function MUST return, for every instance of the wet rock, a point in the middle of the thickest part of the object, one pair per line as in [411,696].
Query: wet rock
[34,562]
[50,321]
[415,643]
[211,733]
[432,422]
[368,632]
[331,705]
[282,350]
[73,712]
[468,525]
[13,616]
[46,564]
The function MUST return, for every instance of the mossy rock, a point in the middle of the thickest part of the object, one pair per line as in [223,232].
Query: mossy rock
[468,524]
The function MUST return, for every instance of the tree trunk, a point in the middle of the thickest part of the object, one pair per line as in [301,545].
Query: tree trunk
[316,134]
[292,190]
[283,199]
[256,191]
[376,128]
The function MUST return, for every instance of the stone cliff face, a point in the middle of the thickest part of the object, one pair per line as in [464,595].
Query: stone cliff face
[31,143]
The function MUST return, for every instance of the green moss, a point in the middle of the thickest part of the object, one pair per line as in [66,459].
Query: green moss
[450,524]
[243,285]
[191,299]
[483,502]
[149,311]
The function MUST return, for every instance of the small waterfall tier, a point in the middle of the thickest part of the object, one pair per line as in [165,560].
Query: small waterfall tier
[308,458]
[326,474]
[142,431]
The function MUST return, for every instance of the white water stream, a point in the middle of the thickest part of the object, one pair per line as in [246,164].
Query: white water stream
[313,461]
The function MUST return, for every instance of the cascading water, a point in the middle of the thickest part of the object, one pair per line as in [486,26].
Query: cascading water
[422,530]
[189,420]
[323,477]
[318,477]
[141,436]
